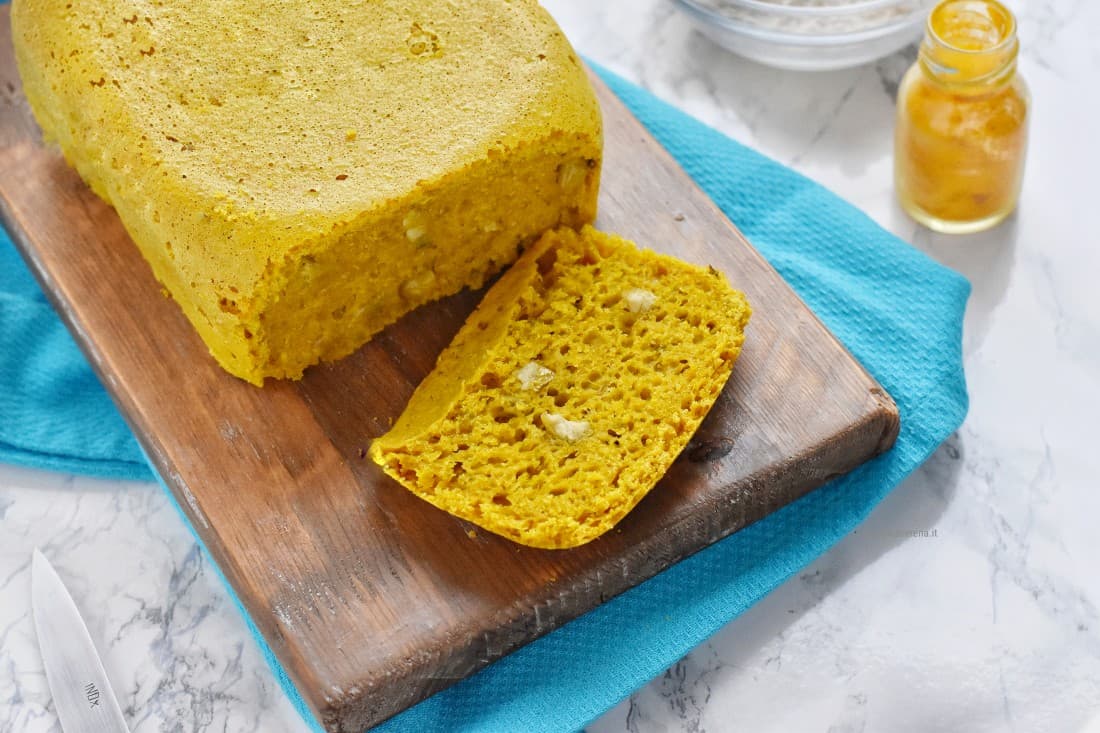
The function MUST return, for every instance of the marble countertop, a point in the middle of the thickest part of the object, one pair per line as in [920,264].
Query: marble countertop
[967,601]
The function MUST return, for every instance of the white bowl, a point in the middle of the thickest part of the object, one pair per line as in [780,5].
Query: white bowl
[795,34]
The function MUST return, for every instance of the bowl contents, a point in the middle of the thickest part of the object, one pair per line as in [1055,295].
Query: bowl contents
[962,118]
[301,174]
[853,16]
[570,390]
[809,34]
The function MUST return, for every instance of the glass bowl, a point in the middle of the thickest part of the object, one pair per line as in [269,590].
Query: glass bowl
[809,35]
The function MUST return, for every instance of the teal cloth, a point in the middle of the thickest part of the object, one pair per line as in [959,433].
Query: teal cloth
[899,312]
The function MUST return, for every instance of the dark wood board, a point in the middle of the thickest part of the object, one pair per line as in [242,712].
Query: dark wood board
[371,598]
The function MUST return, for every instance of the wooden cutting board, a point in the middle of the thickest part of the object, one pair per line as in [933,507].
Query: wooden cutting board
[371,598]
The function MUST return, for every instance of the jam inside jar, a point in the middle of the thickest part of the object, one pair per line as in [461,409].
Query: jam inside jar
[962,115]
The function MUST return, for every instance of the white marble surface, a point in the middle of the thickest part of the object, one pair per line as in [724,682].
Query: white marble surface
[988,623]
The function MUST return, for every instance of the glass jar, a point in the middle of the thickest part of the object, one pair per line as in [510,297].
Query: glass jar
[962,117]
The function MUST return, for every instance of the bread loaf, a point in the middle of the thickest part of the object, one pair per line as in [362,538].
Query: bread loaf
[300,174]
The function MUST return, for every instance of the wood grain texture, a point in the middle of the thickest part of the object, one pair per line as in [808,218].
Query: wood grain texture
[371,598]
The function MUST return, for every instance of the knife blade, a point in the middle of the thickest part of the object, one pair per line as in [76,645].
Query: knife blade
[81,691]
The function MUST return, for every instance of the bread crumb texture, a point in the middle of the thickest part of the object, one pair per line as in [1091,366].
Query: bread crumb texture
[299,174]
[560,403]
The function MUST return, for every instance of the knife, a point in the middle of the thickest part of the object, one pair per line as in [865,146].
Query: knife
[81,692]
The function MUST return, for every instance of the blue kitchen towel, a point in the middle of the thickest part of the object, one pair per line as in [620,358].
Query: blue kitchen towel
[899,312]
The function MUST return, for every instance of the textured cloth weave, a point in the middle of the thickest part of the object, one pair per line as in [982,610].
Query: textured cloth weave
[899,312]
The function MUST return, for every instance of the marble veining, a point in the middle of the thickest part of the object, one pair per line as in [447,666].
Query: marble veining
[967,601]
[174,646]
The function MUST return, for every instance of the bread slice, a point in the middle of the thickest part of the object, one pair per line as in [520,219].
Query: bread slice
[300,174]
[570,390]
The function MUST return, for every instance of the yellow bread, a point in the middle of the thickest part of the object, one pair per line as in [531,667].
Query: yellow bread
[570,390]
[299,174]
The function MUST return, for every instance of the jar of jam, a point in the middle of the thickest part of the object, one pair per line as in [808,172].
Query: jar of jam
[962,118]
